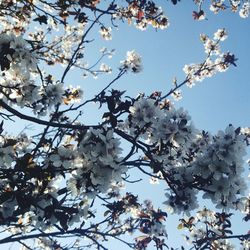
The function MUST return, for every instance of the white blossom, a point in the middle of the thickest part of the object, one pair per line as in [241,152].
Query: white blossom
[133,62]
[245,9]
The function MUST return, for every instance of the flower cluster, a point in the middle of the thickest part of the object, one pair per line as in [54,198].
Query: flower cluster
[160,125]
[243,204]
[237,6]
[106,33]
[245,9]
[151,225]
[99,163]
[222,165]
[30,188]
[143,113]
[16,55]
[194,160]
[215,166]
[221,62]
[133,62]
[144,13]
[209,229]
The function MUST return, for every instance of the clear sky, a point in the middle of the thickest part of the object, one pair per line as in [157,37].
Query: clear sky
[213,104]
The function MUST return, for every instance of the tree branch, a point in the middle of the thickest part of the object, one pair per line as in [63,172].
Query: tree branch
[42,122]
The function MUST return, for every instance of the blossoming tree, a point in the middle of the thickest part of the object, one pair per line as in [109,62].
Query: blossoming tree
[53,182]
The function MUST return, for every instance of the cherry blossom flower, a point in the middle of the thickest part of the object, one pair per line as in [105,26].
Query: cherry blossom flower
[106,33]
[133,62]
[244,11]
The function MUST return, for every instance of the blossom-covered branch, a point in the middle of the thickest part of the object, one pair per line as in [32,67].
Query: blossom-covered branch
[67,178]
